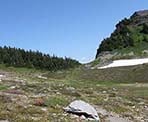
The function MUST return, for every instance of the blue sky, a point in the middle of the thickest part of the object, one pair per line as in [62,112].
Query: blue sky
[72,28]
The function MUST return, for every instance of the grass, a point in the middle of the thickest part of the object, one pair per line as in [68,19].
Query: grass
[137,51]
[55,101]
[96,87]
[3,87]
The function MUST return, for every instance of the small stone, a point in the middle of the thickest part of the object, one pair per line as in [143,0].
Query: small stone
[12,87]
[35,118]
[82,117]
[54,114]
[4,121]
[70,88]
[104,92]
[58,93]
[44,109]
[42,77]
[114,89]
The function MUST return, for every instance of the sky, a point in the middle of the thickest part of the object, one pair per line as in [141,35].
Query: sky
[71,28]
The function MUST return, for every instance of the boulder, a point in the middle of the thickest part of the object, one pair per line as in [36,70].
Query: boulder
[81,108]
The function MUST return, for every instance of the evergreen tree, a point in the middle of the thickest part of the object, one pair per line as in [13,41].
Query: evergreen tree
[34,59]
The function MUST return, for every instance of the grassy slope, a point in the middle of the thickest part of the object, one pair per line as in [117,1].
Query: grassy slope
[118,74]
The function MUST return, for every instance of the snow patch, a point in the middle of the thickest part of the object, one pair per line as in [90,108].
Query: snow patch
[125,62]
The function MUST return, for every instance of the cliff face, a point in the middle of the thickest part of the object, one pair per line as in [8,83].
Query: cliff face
[129,34]
[139,17]
[141,13]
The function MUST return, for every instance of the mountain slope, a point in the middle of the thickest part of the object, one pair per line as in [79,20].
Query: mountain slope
[130,38]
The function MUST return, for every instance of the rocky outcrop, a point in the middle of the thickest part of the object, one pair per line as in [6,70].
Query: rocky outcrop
[129,33]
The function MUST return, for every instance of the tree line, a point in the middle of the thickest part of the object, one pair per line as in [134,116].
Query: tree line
[34,59]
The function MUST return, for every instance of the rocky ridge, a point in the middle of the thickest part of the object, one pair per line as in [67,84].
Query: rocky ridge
[129,39]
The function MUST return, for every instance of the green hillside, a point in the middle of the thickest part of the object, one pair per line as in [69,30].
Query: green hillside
[130,35]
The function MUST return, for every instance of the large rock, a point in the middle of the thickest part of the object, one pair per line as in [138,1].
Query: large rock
[4,121]
[82,108]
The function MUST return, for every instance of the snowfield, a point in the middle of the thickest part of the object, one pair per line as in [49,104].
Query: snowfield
[125,62]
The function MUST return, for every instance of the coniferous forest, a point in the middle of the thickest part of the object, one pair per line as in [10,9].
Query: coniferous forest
[34,59]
